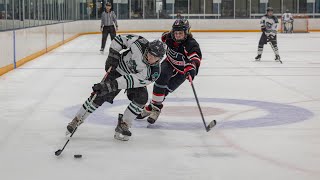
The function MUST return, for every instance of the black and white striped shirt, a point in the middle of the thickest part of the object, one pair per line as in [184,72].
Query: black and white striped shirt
[108,18]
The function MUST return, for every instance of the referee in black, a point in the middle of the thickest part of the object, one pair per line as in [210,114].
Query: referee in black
[108,17]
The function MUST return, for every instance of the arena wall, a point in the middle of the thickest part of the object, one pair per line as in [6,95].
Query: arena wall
[20,46]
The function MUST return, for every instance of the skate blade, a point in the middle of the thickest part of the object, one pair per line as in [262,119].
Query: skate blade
[121,137]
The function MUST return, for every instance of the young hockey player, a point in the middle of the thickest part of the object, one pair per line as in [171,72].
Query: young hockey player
[183,59]
[134,63]
[287,21]
[269,34]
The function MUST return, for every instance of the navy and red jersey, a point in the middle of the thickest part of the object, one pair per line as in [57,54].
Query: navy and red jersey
[181,54]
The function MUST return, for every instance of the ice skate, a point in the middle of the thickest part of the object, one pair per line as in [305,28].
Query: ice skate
[122,130]
[102,51]
[258,58]
[73,125]
[277,58]
[154,115]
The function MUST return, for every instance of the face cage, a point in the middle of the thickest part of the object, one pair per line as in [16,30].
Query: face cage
[145,59]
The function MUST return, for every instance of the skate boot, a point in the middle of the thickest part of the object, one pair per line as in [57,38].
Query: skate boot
[258,57]
[73,125]
[154,115]
[101,50]
[145,113]
[122,130]
[277,58]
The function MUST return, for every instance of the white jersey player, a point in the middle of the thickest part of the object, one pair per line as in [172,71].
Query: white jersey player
[269,27]
[133,69]
[287,21]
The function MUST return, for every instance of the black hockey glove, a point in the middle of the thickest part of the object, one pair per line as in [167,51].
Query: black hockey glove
[263,28]
[105,87]
[113,59]
[190,69]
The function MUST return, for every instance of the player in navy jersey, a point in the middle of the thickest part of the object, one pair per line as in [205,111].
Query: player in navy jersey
[183,59]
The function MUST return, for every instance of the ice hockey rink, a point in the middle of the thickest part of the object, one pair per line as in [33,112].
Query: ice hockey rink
[267,113]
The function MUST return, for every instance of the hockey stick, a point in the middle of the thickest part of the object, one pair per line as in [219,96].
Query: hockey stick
[212,123]
[58,152]
[274,50]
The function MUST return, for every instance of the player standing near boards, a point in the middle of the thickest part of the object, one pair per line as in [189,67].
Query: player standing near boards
[287,21]
[108,21]
[134,64]
[183,59]
[269,29]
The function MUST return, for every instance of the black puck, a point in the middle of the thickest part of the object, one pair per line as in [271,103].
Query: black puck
[77,156]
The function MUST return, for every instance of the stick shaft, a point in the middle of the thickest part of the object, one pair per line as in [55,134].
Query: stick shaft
[196,97]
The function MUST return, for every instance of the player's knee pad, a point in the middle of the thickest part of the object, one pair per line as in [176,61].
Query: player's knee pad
[138,95]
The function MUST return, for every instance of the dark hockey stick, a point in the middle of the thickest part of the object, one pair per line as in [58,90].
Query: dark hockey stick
[212,123]
[274,50]
[58,152]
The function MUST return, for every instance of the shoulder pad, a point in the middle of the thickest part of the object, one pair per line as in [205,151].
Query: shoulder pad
[191,43]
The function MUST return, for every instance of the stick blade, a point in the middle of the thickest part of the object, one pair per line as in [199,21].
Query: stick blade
[57,153]
[211,125]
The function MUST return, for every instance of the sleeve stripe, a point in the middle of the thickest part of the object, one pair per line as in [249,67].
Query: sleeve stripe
[131,80]
[193,55]
[195,58]
[127,81]
[198,61]
[118,41]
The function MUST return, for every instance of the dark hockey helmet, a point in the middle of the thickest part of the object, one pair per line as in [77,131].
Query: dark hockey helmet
[180,25]
[156,48]
[287,11]
[269,9]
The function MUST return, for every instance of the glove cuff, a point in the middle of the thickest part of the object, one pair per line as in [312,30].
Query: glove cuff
[188,67]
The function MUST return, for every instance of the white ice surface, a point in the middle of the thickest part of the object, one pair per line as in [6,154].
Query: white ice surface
[38,99]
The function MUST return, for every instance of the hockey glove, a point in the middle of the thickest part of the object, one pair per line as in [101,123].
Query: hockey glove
[113,59]
[105,87]
[263,28]
[271,37]
[190,69]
